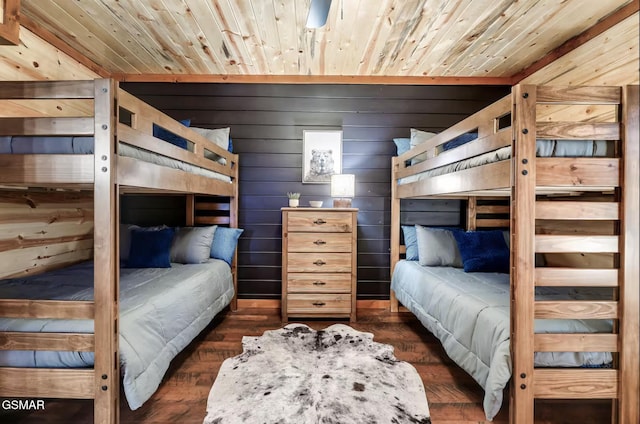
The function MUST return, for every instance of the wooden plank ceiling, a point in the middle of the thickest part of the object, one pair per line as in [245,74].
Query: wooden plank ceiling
[415,38]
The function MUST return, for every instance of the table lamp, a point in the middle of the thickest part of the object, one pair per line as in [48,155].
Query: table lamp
[343,188]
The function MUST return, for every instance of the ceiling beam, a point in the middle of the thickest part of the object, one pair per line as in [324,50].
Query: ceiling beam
[573,43]
[312,79]
[10,23]
[58,43]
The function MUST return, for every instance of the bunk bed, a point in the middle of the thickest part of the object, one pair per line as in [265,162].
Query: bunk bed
[577,212]
[67,211]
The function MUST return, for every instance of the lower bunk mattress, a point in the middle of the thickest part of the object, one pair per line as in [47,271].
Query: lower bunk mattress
[469,314]
[161,311]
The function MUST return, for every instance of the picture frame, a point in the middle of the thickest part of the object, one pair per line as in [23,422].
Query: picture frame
[321,155]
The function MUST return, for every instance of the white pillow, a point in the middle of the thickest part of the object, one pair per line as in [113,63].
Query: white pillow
[192,245]
[218,136]
[419,137]
[437,247]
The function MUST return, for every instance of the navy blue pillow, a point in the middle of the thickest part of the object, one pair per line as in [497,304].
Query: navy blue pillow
[230,147]
[459,141]
[170,137]
[483,251]
[150,249]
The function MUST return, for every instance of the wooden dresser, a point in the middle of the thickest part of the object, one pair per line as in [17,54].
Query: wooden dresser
[319,255]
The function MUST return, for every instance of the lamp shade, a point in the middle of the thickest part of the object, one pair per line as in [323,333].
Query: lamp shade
[343,185]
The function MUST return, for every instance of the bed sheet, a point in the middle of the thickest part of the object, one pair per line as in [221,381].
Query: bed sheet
[161,311]
[469,314]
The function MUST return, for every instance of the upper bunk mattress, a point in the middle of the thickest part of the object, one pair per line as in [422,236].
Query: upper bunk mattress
[161,311]
[469,314]
[84,145]
[544,148]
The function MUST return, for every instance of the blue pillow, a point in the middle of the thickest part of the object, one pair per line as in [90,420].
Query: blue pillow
[459,141]
[402,145]
[230,147]
[224,243]
[170,137]
[150,249]
[483,251]
[410,242]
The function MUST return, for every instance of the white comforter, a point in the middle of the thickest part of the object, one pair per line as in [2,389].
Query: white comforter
[469,314]
[161,311]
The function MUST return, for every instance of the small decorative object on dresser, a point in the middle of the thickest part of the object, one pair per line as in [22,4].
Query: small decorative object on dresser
[294,199]
[319,262]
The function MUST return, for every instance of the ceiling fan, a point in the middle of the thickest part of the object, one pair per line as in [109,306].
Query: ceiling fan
[318,12]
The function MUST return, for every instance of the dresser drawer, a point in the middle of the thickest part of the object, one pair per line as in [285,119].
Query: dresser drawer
[319,262]
[330,222]
[300,304]
[318,283]
[319,242]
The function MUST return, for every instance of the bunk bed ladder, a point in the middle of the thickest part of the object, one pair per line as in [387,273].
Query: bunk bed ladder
[604,226]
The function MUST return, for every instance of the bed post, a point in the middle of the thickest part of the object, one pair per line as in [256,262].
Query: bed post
[523,180]
[106,266]
[395,231]
[472,209]
[628,389]
[190,210]
[233,222]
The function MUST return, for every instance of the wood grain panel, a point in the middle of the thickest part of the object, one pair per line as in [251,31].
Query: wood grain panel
[56,309]
[47,383]
[320,221]
[575,277]
[319,283]
[319,262]
[595,95]
[313,242]
[577,210]
[300,304]
[575,309]
[575,342]
[575,384]
[47,126]
[38,170]
[578,130]
[578,172]
[47,341]
[584,244]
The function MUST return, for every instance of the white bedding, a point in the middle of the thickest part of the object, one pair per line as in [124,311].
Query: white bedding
[469,314]
[161,311]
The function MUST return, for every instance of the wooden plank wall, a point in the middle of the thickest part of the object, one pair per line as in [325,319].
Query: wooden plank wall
[43,230]
[267,122]
[609,59]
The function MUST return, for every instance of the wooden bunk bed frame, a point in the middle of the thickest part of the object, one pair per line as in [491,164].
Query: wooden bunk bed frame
[93,108]
[564,190]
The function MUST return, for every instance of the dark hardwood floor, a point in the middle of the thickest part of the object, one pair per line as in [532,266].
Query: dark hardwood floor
[453,396]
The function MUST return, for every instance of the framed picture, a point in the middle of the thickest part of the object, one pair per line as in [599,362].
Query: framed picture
[321,155]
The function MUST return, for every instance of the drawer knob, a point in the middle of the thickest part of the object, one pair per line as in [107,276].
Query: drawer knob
[320,262]
[318,304]
[319,221]
[319,283]
[319,242]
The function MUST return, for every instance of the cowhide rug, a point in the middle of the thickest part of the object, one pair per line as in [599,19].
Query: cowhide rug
[298,375]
